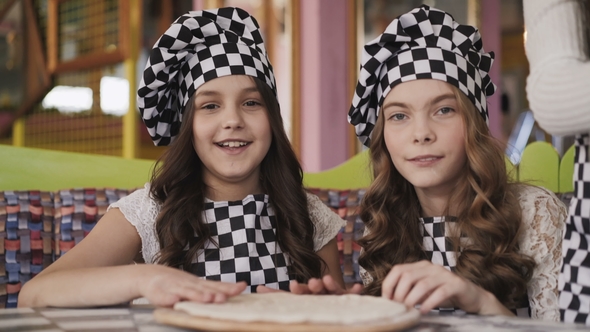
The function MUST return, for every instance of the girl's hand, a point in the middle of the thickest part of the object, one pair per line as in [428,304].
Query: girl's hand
[164,286]
[325,285]
[433,286]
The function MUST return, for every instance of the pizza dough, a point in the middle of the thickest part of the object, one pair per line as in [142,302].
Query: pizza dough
[287,308]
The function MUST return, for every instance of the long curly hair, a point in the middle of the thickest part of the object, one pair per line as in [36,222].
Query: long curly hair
[489,214]
[177,184]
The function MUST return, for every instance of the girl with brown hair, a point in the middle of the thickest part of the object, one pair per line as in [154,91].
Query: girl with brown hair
[445,229]
[226,211]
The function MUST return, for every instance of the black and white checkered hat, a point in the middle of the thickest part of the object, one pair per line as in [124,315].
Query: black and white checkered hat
[198,47]
[424,43]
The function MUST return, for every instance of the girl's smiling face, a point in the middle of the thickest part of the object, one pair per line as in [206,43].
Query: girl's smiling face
[231,132]
[425,134]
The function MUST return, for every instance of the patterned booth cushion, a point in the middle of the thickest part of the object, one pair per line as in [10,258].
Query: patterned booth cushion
[346,204]
[76,213]
[37,227]
[26,224]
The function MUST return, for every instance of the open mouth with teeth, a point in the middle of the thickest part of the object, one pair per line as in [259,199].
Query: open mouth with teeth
[232,144]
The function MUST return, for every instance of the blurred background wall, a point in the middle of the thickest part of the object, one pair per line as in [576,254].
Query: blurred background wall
[69,69]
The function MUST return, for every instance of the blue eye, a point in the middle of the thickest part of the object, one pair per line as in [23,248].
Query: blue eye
[397,117]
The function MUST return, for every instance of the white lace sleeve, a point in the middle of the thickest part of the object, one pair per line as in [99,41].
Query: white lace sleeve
[543,217]
[141,211]
[327,223]
[366,277]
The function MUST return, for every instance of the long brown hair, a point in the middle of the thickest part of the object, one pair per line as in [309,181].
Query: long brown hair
[177,184]
[489,214]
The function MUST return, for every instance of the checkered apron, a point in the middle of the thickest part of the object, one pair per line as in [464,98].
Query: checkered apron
[439,250]
[247,250]
[574,279]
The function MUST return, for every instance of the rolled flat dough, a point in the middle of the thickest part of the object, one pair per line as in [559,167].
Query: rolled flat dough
[287,308]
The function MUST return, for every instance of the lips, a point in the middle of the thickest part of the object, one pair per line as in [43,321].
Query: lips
[425,160]
[232,144]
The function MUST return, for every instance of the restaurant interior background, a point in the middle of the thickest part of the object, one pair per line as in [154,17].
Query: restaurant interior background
[69,69]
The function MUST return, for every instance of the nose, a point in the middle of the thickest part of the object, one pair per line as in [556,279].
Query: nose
[233,117]
[423,132]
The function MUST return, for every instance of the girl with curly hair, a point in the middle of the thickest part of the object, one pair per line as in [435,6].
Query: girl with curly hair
[445,228]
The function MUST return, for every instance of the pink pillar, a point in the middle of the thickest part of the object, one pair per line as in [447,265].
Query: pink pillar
[198,4]
[492,41]
[324,84]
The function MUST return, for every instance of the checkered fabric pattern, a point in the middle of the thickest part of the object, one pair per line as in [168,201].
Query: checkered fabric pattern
[243,246]
[574,279]
[76,213]
[439,250]
[425,43]
[26,223]
[198,47]
[346,204]
[437,246]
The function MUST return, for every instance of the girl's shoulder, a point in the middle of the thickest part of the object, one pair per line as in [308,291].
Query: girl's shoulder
[327,223]
[138,206]
[319,212]
[542,210]
[530,196]
[141,211]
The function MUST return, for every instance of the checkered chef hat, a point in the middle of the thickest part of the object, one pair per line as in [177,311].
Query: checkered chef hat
[198,47]
[424,43]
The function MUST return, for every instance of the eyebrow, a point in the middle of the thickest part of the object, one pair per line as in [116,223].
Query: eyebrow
[209,93]
[206,93]
[431,102]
